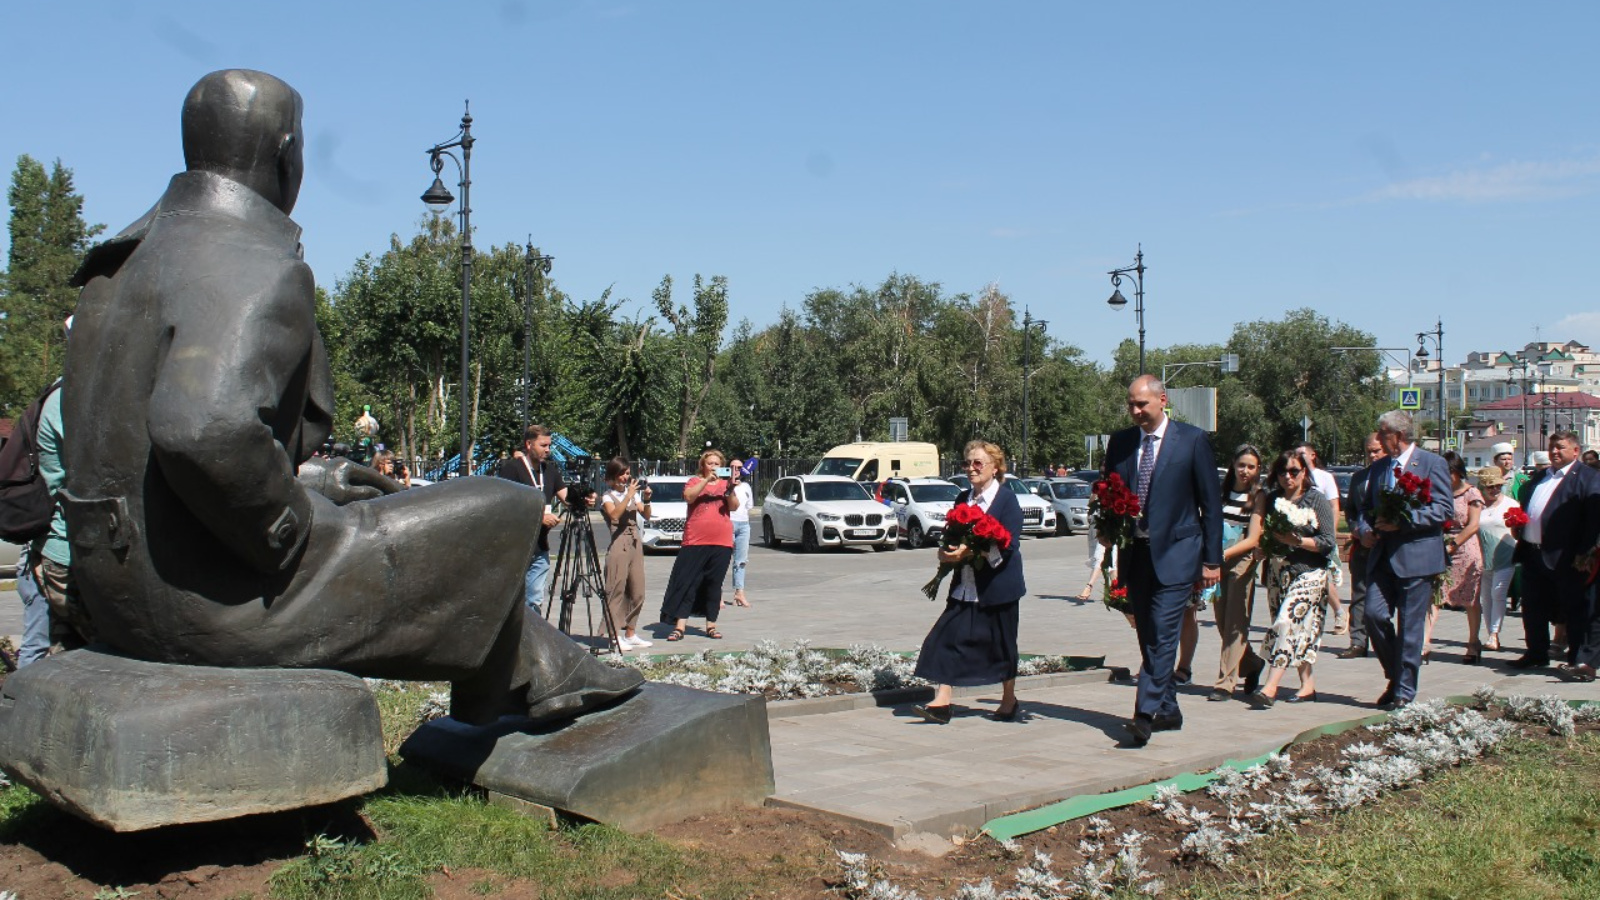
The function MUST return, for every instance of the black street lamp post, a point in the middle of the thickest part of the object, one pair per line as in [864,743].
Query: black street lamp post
[1028,323]
[1521,365]
[1118,301]
[438,196]
[1422,353]
[532,262]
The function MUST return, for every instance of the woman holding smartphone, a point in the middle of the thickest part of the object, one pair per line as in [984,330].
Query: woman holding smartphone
[695,586]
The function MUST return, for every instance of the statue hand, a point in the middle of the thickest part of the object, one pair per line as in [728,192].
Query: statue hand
[343,481]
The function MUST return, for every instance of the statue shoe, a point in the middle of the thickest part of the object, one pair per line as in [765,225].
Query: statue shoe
[567,680]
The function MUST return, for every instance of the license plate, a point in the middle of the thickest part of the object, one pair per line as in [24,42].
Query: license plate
[861,533]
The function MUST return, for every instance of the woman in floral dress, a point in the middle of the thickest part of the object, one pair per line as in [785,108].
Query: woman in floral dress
[1466,558]
[1298,576]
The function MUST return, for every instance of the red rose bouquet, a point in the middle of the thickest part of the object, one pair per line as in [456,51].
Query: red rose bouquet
[1410,493]
[1515,519]
[1114,510]
[966,525]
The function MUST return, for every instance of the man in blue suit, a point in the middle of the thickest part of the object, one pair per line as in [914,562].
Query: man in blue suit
[1563,506]
[1403,557]
[1178,546]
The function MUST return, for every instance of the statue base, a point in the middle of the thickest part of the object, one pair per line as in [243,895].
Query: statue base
[131,745]
[661,756]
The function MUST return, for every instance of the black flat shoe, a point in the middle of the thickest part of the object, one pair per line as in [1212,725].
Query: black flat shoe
[1218,695]
[1302,698]
[1259,700]
[1007,715]
[938,715]
[1252,681]
[1353,653]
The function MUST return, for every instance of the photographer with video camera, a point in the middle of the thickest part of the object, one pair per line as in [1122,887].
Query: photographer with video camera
[695,586]
[624,502]
[534,467]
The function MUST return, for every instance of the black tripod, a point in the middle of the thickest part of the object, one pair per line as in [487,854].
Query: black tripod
[577,570]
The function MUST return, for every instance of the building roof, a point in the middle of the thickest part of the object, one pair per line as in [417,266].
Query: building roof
[1551,400]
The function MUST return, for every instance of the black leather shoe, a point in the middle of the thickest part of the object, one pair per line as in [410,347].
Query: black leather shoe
[1353,653]
[1529,662]
[1301,698]
[1167,723]
[1394,705]
[1139,730]
[1260,700]
[1217,695]
[938,715]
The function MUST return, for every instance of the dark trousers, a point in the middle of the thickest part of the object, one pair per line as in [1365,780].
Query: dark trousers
[1554,597]
[1358,597]
[1158,618]
[1397,619]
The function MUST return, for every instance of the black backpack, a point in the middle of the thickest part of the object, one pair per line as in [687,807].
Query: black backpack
[25,502]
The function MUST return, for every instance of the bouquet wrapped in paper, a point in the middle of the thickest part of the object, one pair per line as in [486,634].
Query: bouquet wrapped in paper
[1285,517]
[966,525]
[1409,494]
[1114,510]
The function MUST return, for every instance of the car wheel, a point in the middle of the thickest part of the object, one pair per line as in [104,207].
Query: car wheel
[914,536]
[808,539]
[768,536]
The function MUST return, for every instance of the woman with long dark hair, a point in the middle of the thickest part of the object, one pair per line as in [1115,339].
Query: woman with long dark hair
[1298,577]
[1243,503]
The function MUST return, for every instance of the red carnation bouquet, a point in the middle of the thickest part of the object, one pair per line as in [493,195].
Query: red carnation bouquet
[1114,510]
[967,525]
[1515,519]
[1410,492]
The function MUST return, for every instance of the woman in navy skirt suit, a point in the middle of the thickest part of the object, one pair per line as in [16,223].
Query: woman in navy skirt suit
[975,640]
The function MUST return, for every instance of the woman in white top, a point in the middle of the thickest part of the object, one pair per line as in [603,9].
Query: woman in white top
[741,527]
[622,506]
[1499,548]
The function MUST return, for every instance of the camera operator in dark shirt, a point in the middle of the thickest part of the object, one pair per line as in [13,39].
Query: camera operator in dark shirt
[534,467]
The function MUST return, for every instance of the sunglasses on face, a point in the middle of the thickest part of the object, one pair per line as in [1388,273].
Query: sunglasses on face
[976,463]
[1293,471]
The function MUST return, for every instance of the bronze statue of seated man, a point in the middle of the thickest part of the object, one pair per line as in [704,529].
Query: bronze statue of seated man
[197,387]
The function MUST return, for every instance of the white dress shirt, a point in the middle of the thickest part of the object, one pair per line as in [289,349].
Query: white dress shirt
[1533,532]
[966,590]
[1155,447]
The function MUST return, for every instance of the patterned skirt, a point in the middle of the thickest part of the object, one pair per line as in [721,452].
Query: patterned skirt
[1300,598]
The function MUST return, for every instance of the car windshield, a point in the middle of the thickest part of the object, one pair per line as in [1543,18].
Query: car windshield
[1066,490]
[934,493]
[842,466]
[836,490]
[666,491]
[1018,487]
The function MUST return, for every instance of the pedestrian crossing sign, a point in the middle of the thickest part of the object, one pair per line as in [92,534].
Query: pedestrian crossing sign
[1410,398]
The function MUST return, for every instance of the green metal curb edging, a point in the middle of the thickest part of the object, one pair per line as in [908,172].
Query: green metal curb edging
[1006,828]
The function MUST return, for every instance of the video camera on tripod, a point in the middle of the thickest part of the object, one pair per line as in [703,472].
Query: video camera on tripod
[577,564]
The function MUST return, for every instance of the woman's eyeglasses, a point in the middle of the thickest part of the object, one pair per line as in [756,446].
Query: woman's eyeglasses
[1293,471]
[975,463]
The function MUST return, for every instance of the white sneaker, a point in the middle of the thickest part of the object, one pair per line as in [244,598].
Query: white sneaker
[625,643]
[640,643]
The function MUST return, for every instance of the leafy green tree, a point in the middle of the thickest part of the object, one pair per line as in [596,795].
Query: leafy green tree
[697,338]
[48,241]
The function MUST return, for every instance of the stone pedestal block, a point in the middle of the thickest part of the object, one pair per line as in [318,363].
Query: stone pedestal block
[664,755]
[131,745]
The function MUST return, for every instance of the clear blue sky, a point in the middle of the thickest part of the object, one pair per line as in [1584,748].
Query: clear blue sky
[1386,163]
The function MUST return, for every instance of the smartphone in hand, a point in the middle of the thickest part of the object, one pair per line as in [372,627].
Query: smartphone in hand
[724,472]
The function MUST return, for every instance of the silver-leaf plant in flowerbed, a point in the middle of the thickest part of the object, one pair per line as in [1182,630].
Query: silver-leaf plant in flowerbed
[1411,745]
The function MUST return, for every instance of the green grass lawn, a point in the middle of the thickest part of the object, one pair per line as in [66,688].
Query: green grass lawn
[1524,824]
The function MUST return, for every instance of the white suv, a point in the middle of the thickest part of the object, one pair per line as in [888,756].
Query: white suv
[919,506]
[826,510]
[1038,515]
[664,529]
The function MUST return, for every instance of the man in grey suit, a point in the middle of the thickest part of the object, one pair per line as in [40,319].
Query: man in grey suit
[1403,555]
[1178,549]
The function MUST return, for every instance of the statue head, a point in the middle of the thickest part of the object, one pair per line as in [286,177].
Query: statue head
[245,126]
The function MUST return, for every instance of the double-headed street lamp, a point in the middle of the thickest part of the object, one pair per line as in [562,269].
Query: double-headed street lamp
[1028,323]
[1422,353]
[438,197]
[1118,301]
[532,262]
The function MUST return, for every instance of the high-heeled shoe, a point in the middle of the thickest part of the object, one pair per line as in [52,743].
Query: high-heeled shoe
[1474,650]
[1007,715]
